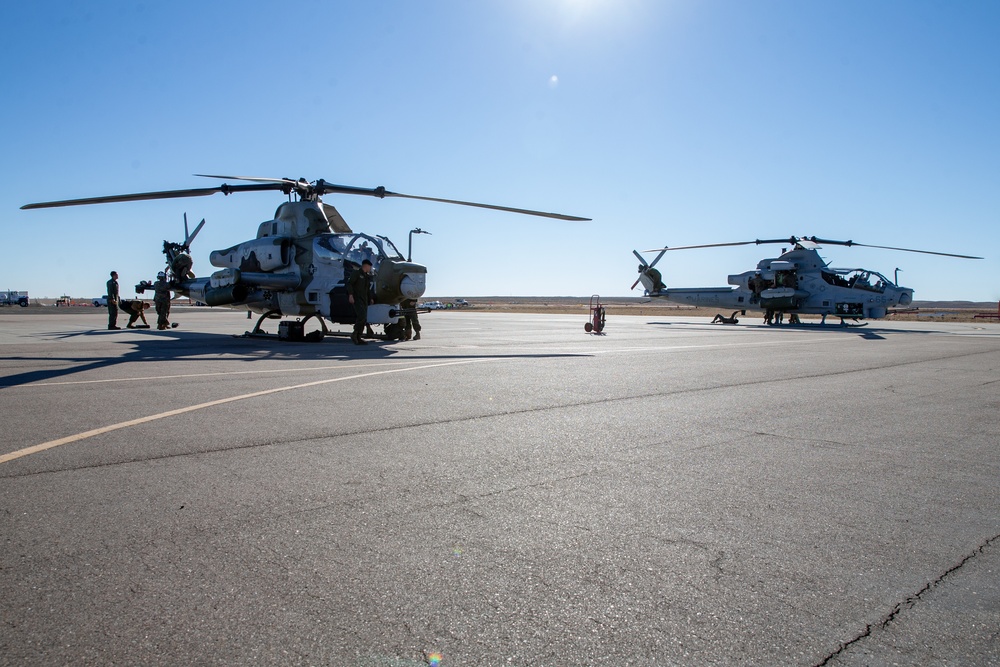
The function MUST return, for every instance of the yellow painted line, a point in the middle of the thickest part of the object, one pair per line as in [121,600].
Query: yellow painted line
[198,375]
[4,458]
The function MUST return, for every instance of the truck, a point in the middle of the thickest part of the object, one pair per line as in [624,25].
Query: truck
[13,298]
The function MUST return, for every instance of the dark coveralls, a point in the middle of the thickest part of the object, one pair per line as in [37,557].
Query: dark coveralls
[134,309]
[411,323]
[161,301]
[657,278]
[112,304]
[359,285]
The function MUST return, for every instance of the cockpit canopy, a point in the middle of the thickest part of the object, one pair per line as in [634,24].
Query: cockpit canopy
[862,279]
[355,248]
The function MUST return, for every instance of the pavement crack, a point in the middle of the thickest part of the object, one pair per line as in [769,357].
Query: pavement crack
[905,604]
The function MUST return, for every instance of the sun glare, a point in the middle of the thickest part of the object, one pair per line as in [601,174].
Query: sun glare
[591,17]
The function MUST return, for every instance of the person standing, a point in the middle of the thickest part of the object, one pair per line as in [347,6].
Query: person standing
[411,325]
[161,300]
[113,301]
[359,287]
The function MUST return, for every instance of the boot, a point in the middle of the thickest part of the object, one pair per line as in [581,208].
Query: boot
[416,336]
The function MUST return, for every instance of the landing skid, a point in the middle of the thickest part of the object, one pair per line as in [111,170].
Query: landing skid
[257,331]
[844,323]
[312,337]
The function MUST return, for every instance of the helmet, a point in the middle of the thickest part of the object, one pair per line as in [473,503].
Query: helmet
[161,274]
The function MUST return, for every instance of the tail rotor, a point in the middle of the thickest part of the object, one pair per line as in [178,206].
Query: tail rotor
[189,238]
[651,274]
[179,254]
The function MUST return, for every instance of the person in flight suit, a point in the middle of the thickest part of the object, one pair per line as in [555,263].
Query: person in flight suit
[411,326]
[135,309]
[113,301]
[359,287]
[161,300]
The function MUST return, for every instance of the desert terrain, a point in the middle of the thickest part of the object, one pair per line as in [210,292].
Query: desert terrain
[940,311]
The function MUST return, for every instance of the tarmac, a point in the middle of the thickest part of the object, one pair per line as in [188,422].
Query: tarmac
[509,490]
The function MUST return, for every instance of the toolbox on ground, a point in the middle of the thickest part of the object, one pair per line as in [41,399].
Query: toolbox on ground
[288,330]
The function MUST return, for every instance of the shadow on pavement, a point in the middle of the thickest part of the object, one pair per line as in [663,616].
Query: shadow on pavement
[176,345]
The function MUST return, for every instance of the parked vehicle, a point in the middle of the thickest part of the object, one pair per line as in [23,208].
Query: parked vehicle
[102,301]
[13,298]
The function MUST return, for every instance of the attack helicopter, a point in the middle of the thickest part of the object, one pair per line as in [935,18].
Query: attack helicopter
[797,282]
[298,264]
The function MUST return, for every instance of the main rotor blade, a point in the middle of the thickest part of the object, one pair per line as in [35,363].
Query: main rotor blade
[509,209]
[710,245]
[806,241]
[886,247]
[925,252]
[165,194]
[257,179]
[320,188]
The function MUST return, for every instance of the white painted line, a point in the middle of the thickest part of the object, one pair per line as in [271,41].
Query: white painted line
[200,375]
[4,458]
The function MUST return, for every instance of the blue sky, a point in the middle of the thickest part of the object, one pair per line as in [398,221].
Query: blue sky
[667,122]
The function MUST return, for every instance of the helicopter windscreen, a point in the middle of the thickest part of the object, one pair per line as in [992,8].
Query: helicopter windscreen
[863,279]
[360,247]
[356,248]
[330,247]
[390,249]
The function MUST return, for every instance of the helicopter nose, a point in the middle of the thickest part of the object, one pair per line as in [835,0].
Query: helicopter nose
[412,285]
[400,280]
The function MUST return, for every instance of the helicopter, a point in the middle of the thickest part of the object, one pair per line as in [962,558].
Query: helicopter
[298,264]
[797,282]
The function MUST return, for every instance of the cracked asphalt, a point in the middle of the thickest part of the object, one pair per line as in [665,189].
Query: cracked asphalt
[507,491]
